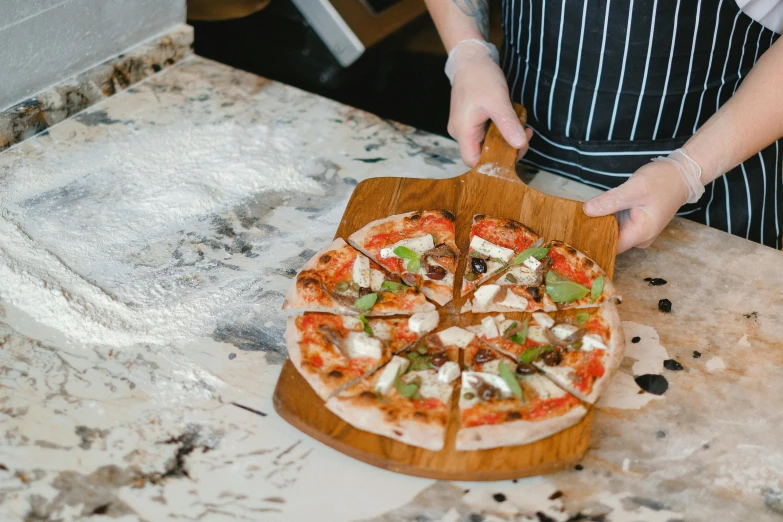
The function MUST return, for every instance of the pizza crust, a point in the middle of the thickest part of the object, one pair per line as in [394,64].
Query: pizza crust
[294,301]
[292,338]
[358,238]
[516,432]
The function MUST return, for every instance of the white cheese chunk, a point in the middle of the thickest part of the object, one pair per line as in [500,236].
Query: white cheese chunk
[545,389]
[430,386]
[484,295]
[531,263]
[361,271]
[515,301]
[500,318]
[593,341]
[536,335]
[418,244]
[352,323]
[359,344]
[389,374]
[448,372]
[376,280]
[380,329]
[423,322]
[562,331]
[490,249]
[489,328]
[456,336]
[494,366]
[522,275]
[543,319]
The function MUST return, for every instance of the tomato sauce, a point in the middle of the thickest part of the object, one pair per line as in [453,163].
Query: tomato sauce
[430,404]
[561,265]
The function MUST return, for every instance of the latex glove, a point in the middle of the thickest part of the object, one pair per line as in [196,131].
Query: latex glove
[644,204]
[480,93]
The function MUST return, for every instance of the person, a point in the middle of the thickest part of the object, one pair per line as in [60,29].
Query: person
[609,85]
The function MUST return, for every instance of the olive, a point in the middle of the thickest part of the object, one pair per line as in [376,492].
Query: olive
[552,358]
[355,287]
[483,355]
[439,359]
[478,265]
[510,278]
[526,369]
[364,291]
[436,272]
[468,396]
[470,276]
[342,286]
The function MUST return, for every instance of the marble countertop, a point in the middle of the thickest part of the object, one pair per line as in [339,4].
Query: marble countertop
[145,245]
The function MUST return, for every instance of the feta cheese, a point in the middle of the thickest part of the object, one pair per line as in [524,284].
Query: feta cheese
[361,271]
[500,318]
[418,244]
[484,295]
[489,328]
[493,367]
[389,373]
[448,372]
[376,280]
[381,329]
[490,249]
[359,344]
[522,275]
[562,331]
[543,319]
[545,389]
[536,335]
[513,300]
[456,336]
[423,322]
[352,323]
[593,341]
[430,386]
[531,263]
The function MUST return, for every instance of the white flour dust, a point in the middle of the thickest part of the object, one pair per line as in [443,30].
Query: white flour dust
[115,243]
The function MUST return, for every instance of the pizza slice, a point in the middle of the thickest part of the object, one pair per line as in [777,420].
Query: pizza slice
[409,398]
[418,247]
[505,404]
[342,280]
[333,351]
[578,349]
[576,281]
[495,243]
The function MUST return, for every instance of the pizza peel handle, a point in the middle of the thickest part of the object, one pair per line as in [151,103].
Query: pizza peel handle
[498,158]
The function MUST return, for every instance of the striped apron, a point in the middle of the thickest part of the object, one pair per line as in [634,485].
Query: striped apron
[610,84]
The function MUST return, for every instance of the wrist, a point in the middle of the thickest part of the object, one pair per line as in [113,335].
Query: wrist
[469,51]
[690,173]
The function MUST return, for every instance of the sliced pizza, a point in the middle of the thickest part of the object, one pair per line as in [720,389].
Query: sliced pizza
[505,404]
[333,351]
[419,247]
[495,243]
[576,281]
[342,280]
[409,398]
[579,349]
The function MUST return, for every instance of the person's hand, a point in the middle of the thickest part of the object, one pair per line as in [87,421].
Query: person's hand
[644,204]
[480,93]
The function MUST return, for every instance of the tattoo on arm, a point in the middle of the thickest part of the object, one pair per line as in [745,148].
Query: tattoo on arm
[478,9]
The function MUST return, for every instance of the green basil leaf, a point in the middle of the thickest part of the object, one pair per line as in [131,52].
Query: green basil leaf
[510,327]
[366,324]
[418,361]
[598,288]
[413,265]
[581,318]
[366,302]
[405,253]
[408,390]
[530,355]
[562,289]
[508,376]
[391,286]
[521,336]
[538,253]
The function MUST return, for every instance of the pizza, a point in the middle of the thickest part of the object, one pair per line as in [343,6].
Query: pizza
[409,399]
[335,351]
[494,245]
[505,404]
[573,280]
[418,247]
[579,349]
[342,280]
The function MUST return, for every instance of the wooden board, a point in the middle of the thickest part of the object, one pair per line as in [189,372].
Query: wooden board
[492,188]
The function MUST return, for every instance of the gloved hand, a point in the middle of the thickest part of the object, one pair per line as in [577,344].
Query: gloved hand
[650,198]
[479,93]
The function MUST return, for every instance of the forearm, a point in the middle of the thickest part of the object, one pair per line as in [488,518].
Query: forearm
[458,20]
[750,121]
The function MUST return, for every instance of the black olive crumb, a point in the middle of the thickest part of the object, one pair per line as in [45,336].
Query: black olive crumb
[557,494]
[636,339]
[696,354]
[648,279]
[660,434]
[751,315]
[542,517]
[652,383]
[475,517]
[657,281]
[499,497]
[706,446]
[665,306]
[514,481]
[466,491]
[232,356]
[579,467]
[671,364]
